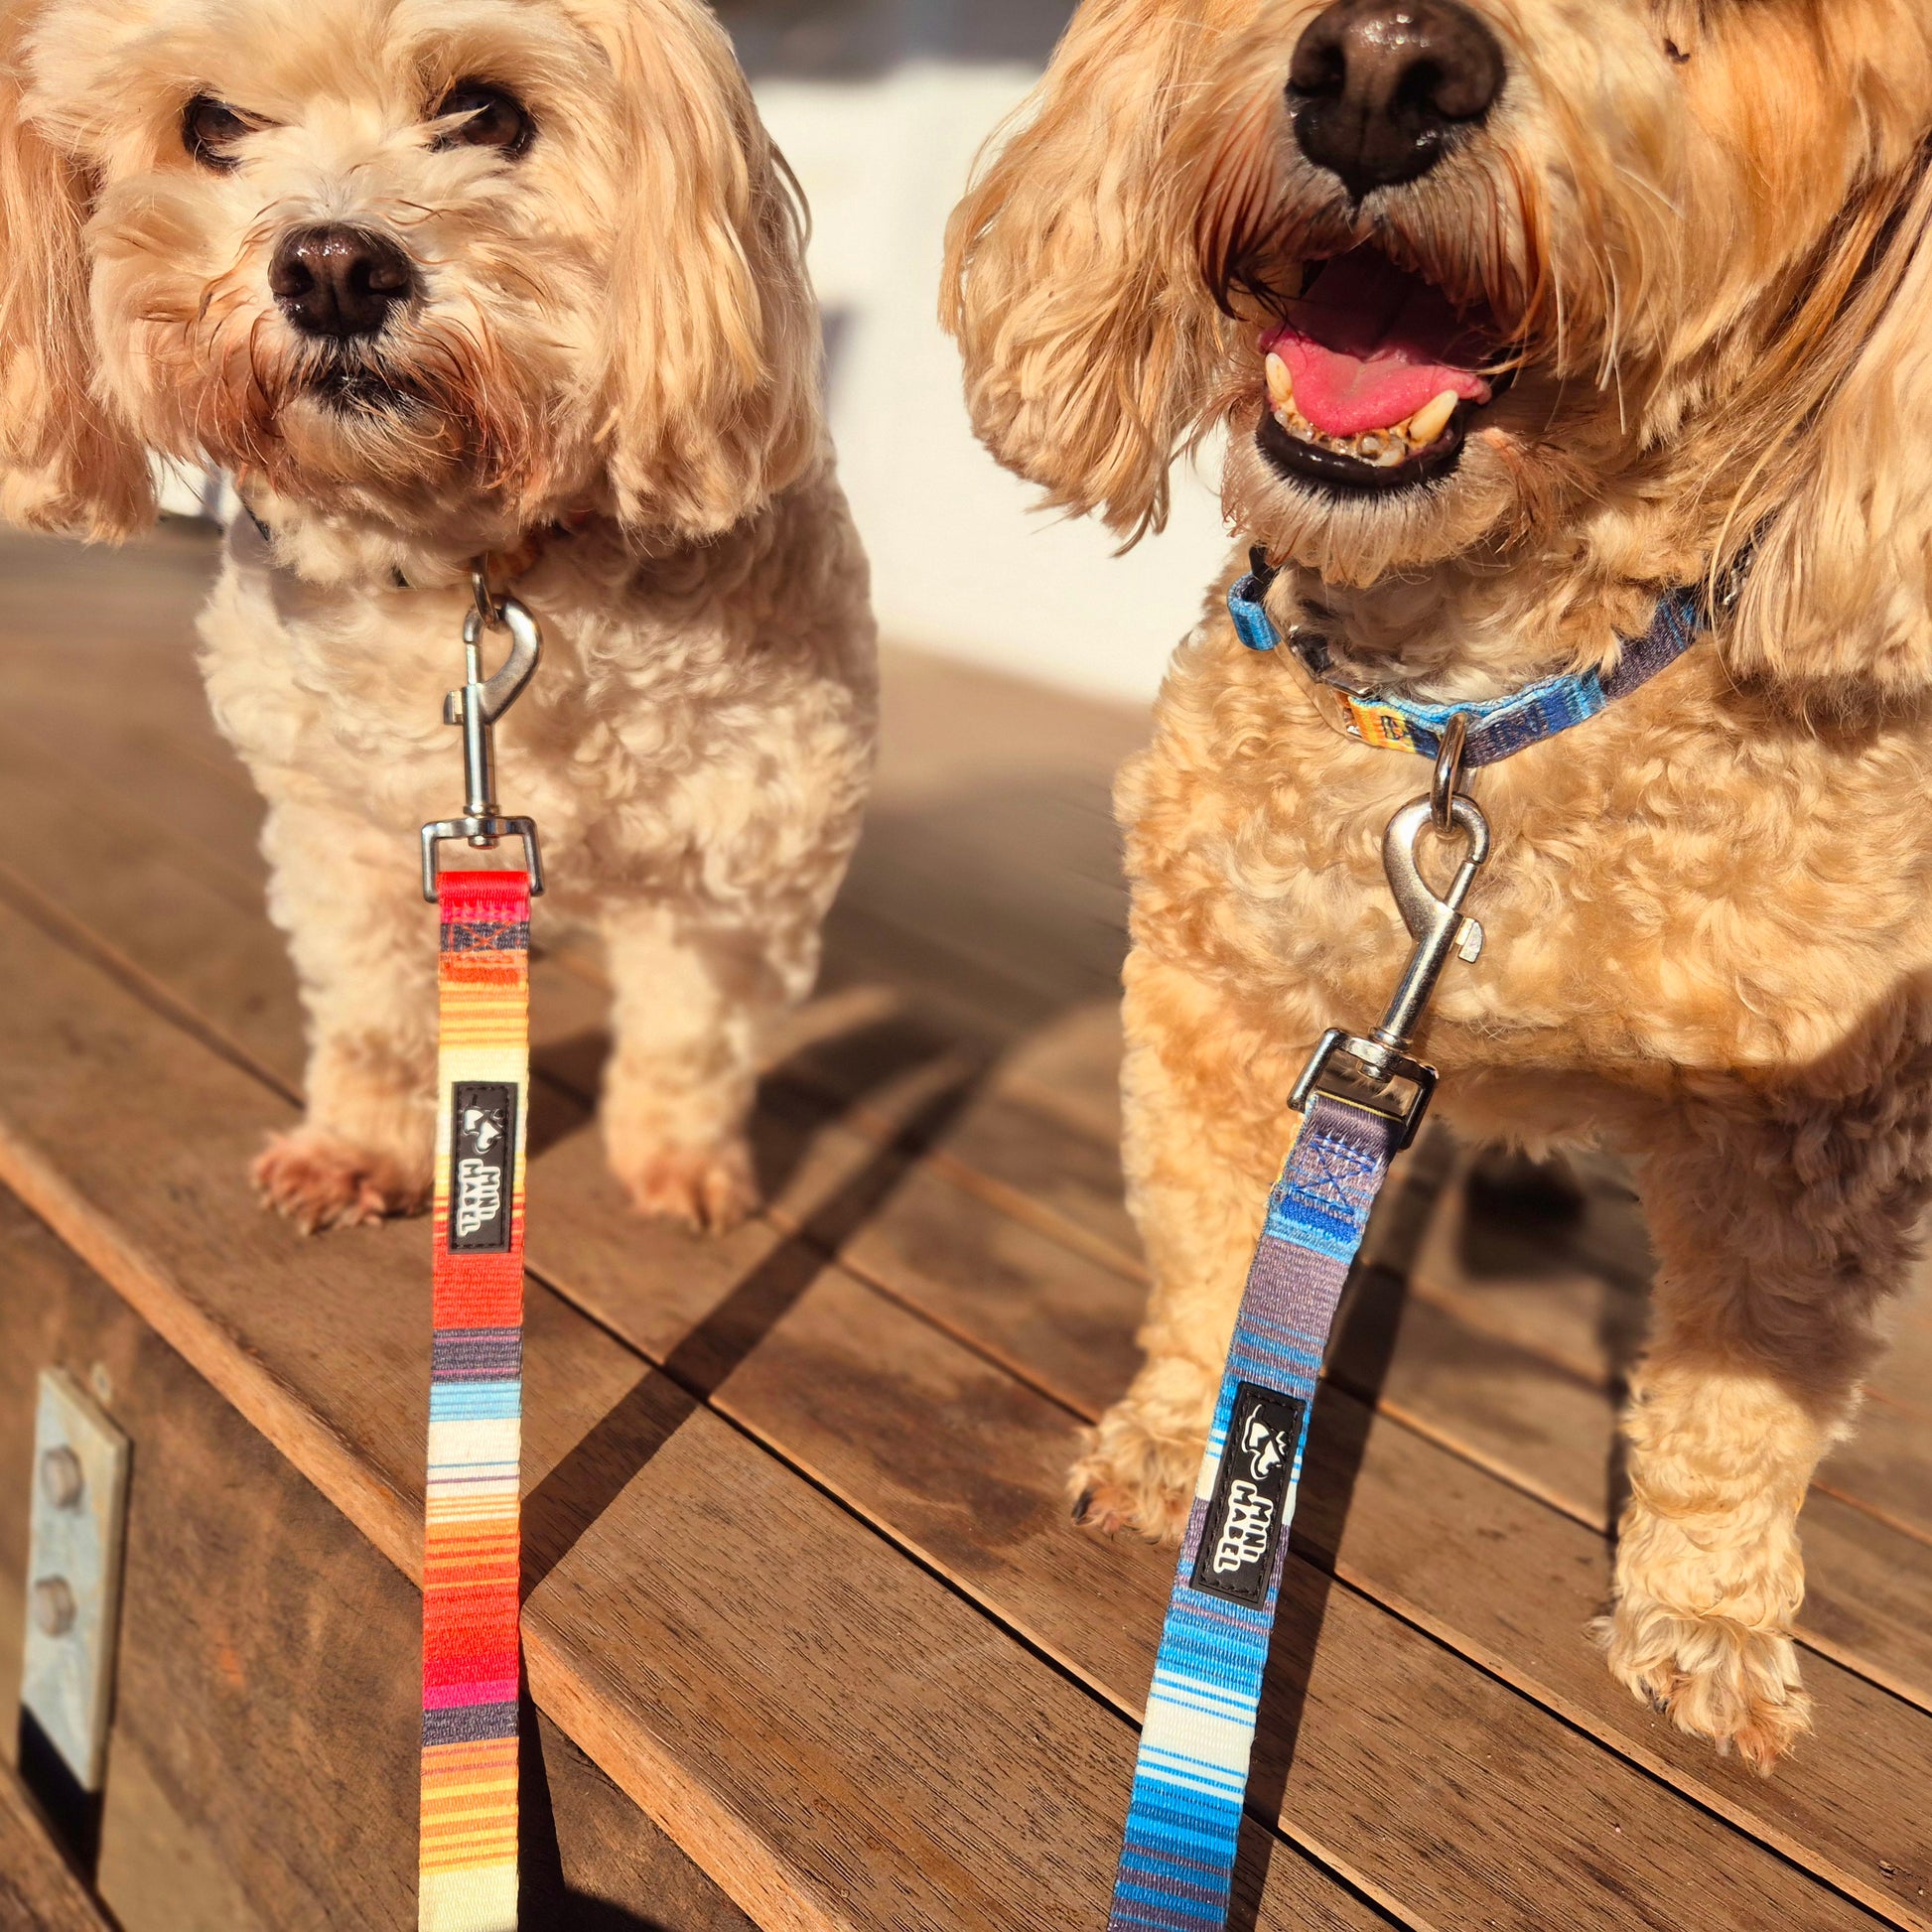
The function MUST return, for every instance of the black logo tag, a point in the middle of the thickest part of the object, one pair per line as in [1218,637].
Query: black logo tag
[482,1162]
[1248,1515]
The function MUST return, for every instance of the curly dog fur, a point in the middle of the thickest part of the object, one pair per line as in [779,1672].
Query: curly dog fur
[604,373]
[1701,232]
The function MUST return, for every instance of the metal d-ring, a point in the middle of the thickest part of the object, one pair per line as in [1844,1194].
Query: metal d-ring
[490,614]
[1448,775]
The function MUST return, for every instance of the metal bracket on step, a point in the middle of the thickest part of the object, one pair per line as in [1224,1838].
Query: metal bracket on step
[74,1575]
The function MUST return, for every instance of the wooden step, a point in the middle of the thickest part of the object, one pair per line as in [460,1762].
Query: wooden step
[654,1526]
[910,1343]
[1869,1563]
[266,1650]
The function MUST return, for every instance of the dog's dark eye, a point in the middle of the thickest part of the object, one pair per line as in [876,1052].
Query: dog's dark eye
[210,128]
[495,118]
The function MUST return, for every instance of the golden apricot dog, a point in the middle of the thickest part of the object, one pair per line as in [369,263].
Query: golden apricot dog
[1518,314]
[510,277]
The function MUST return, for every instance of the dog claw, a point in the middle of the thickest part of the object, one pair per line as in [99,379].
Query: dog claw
[319,1183]
[1082,1505]
[710,1191]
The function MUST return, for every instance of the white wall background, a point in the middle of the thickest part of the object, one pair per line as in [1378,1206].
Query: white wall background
[881,110]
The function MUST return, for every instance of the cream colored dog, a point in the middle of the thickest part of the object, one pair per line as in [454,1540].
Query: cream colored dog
[1566,302]
[507,277]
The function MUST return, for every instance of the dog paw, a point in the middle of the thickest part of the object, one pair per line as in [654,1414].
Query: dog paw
[1136,1477]
[319,1182]
[1712,1677]
[710,1191]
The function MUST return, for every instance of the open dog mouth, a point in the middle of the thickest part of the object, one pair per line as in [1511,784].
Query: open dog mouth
[1373,377]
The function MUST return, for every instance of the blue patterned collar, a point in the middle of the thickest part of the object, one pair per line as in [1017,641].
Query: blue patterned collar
[1498,727]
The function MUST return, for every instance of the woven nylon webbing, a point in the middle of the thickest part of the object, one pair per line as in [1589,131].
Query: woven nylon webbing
[476,1413]
[1185,1817]
[1497,728]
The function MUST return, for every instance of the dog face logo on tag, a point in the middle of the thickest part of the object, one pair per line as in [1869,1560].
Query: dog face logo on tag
[1249,1513]
[482,1156]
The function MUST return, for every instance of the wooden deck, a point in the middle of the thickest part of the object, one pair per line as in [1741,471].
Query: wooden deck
[802,1581]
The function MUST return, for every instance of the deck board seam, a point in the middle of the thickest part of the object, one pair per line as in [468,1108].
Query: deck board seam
[234,884]
[76,935]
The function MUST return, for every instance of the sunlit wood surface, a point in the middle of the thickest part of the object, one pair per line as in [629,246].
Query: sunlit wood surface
[802,1586]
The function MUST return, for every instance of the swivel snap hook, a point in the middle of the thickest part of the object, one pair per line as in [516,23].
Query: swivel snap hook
[1437,926]
[475,708]
[1435,923]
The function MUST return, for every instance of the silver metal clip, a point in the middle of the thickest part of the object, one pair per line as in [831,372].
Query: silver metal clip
[475,709]
[1439,928]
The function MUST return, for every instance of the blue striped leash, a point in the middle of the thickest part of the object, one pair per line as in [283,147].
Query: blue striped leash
[1176,1869]
[1183,1821]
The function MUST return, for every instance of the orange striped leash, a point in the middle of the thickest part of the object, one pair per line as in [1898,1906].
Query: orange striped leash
[472,1542]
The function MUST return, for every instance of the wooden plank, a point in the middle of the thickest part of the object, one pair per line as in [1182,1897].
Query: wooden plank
[856,1681]
[1005,1281]
[949,1245]
[963,1465]
[996,1139]
[1574,1292]
[173,767]
[117,695]
[263,1646]
[1067,1327]
[380,1446]
[853,1417]
[1064,1318]
[1428,1536]
[992,832]
[161,1873]
[267,1648]
[1421,1549]
[593,1862]
[323,1347]
[39,1891]
[930,1246]
[125,864]
[575,1218]
[204,1265]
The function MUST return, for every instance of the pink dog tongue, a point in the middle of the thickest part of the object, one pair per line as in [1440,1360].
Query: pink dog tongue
[1369,345]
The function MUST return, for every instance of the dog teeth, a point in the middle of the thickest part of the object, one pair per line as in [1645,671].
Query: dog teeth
[1382,448]
[1432,419]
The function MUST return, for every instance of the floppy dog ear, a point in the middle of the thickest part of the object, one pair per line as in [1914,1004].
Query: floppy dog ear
[1087,348]
[65,462]
[713,358]
[1839,597]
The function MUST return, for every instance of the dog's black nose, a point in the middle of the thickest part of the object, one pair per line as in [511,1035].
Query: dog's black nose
[338,281]
[1379,88]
